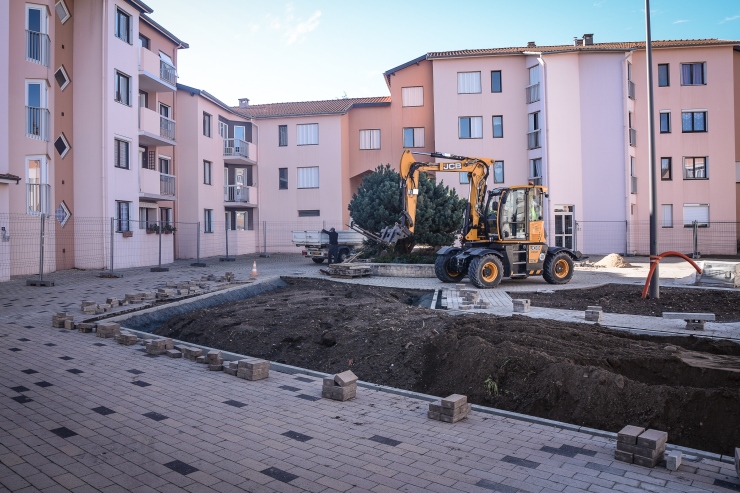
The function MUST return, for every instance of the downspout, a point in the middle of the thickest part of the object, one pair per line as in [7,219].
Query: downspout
[625,158]
[546,167]
[104,113]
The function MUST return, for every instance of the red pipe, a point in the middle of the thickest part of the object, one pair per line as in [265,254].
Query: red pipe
[655,260]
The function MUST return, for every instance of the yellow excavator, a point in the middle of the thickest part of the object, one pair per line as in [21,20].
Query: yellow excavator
[503,233]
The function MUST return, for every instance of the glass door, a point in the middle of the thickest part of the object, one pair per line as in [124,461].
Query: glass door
[564,220]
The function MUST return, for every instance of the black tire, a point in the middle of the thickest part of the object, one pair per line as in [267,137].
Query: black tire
[558,268]
[318,260]
[441,264]
[485,271]
[343,255]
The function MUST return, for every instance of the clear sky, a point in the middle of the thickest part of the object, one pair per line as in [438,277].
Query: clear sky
[276,51]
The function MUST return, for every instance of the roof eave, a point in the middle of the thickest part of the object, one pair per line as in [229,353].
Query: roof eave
[158,27]
[209,97]
[140,6]
[387,74]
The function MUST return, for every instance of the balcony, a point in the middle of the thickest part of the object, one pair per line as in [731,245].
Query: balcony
[155,186]
[237,151]
[155,129]
[37,48]
[38,198]
[533,93]
[166,185]
[37,123]
[155,75]
[633,185]
[631,89]
[633,137]
[239,195]
[533,139]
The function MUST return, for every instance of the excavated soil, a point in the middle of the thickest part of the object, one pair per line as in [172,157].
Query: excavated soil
[624,298]
[577,373]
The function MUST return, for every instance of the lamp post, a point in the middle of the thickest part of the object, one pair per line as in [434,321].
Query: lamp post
[654,290]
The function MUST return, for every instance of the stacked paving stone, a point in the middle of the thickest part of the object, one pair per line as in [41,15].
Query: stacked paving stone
[215,362]
[635,445]
[253,369]
[89,307]
[191,353]
[231,367]
[113,301]
[593,314]
[126,339]
[673,460]
[132,299]
[85,327]
[159,346]
[58,320]
[451,409]
[173,353]
[107,330]
[521,306]
[340,387]
[164,293]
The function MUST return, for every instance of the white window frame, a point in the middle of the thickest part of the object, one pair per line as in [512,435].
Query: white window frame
[168,159]
[666,215]
[168,110]
[44,20]
[66,143]
[243,132]
[304,180]
[469,86]
[471,127]
[223,129]
[62,18]
[369,139]
[165,216]
[305,134]
[67,80]
[412,96]
[43,95]
[280,142]
[43,179]
[116,26]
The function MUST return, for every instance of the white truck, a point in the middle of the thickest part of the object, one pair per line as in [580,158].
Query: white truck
[315,244]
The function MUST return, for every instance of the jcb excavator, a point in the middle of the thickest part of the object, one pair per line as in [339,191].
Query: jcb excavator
[503,233]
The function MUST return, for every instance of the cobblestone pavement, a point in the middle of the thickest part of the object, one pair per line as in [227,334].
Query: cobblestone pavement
[79,413]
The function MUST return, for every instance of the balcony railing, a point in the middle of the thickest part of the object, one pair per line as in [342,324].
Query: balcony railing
[166,127]
[633,137]
[38,198]
[37,48]
[166,184]
[37,123]
[631,89]
[236,147]
[167,72]
[236,193]
[533,139]
[633,184]
[535,180]
[533,93]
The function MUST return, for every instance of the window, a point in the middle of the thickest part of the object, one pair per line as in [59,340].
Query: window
[468,83]
[207,168]
[123,26]
[244,220]
[206,124]
[464,178]
[308,177]
[535,171]
[308,134]
[223,129]
[632,132]
[695,168]
[667,210]
[310,213]
[632,166]
[61,77]
[144,42]
[665,122]
[123,88]
[664,78]
[413,137]
[283,176]
[121,153]
[165,165]
[208,220]
[37,185]
[147,217]
[666,169]
[240,134]
[37,114]
[498,127]
[696,212]
[470,127]
[693,74]
[146,159]
[693,121]
[123,213]
[412,96]
[62,11]
[534,121]
[37,42]
[498,172]
[165,215]
[282,135]
[61,145]
[495,81]
[369,139]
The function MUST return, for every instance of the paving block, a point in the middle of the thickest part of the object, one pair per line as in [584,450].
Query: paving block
[629,434]
[200,359]
[230,371]
[345,378]
[695,325]
[454,401]
[329,382]
[338,393]
[105,307]
[248,374]
[595,307]
[647,462]
[254,364]
[173,353]
[623,456]
[85,327]
[521,305]
[112,301]
[638,451]
[652,439]
[673,460]
[593,315]
[107,329]
[69,324]
[213,355]
[215,367]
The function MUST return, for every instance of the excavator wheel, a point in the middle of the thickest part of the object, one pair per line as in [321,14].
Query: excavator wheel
[485,271]
[558,268]
[443,270]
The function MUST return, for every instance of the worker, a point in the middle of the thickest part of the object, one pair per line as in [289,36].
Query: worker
[534,209]
[333,245]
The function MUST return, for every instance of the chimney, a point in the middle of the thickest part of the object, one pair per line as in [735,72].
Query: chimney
[243,102]
[588,39]
[577,42]
[530,44]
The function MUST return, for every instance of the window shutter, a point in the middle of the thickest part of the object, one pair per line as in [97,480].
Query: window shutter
[696,212]
[412,96]
[116,153]
[667,215]
[419,137]
[685,73]
[468,83]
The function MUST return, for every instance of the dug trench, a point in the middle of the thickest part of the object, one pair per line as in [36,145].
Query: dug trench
[581,374]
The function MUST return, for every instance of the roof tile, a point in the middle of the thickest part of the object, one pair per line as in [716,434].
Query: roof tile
[301,108]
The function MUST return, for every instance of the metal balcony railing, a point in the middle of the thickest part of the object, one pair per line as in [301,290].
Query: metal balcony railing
[236,147]
[236,193]
[38,198]
[533,93]
[37,48]
[633,137]
[533,139]
[166,127]
[166,184]
[633,184]
[167,72]
[631,89]
[37,123]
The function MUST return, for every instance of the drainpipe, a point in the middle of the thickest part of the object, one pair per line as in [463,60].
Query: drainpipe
[625,118]
[104,112]
[546,166]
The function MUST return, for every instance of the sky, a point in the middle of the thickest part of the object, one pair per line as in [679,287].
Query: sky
[278,51]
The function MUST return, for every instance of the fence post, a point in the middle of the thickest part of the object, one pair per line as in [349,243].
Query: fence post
[264,240]
[626,238]
[227,258]
[159,268]
[112,238]
[197,263]
[696,253]
[40,281]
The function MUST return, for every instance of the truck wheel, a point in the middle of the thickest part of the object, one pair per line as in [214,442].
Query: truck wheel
[485,271]
[444,270]
[318,260]
[343,254]
[558,268]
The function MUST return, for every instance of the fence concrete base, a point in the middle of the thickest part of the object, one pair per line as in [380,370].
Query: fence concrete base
[402,270]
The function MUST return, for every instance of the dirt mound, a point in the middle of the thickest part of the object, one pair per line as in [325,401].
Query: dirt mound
[578,373]
[613,260]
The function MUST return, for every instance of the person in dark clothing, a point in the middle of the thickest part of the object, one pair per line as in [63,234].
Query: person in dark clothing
[333,245]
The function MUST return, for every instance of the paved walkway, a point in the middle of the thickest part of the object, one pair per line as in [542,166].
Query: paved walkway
[78,413]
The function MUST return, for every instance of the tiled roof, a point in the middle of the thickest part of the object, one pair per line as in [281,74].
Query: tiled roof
[327,107]
[618,46]
[8,176]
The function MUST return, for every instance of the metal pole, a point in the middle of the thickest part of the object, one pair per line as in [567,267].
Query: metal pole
[198,244]
[695,226]
[264,237]
[112,237]
[41,250]
[227,239]
[160,244]
[654,291]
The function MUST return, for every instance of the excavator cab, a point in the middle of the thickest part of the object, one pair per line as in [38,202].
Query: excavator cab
[514,214]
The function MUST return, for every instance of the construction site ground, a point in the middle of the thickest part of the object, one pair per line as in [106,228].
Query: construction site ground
[78,413]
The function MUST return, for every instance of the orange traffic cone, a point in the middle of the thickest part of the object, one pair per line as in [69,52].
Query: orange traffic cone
[254,269]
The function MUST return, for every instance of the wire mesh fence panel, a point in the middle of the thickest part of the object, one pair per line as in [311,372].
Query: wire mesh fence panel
[79,243]
[277,236]
[601,237]
[20,246]
[715,238]
[142,243]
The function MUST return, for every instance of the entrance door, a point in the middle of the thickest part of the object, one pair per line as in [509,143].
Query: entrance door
[564,232]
